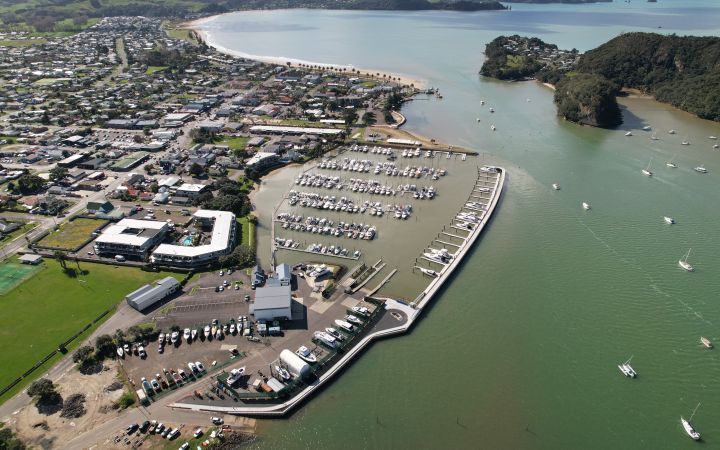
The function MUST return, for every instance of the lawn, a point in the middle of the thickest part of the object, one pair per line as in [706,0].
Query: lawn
[21,42]
[71,235]
[10,140]
[50,307]
[247,230]
[20,231]
[235,143]
[152,69]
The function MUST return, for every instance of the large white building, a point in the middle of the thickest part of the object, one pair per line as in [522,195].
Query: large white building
[222,241]
[147,295]
[131,238]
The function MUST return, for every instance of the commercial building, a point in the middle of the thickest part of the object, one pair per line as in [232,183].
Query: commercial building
[272,302]
[131,238]
[283,274]
[222,227]
[262,160]
[147,295]
[190,190]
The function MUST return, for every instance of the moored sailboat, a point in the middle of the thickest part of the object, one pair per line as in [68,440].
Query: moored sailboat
[685,264]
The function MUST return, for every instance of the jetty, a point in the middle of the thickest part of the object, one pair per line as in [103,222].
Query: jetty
[404,314]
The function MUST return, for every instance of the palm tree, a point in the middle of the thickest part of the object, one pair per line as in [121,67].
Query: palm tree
[61,257]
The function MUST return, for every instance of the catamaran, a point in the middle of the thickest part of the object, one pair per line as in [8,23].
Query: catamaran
[646,171]
[684,264]
[627,369]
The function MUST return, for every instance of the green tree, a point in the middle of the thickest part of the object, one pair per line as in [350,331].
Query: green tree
[83,354]
[350,117]
[61,257]
[57,173]
[369,118]
[241,256]
[105,346]
[195,170]
[8,441]
[29,183]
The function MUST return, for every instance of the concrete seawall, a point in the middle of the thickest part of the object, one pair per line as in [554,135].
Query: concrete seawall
[412,313]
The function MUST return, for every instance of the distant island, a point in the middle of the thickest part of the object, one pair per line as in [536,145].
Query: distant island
[559,1]
[75,15]
[682,71]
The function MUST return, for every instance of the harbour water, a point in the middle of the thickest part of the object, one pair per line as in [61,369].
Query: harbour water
[520,350]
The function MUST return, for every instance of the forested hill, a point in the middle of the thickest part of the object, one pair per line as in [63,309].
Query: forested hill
[683,71]
[44,15]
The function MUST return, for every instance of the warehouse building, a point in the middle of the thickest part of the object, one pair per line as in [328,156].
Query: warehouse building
[147,295]
[272,302]
[131,238]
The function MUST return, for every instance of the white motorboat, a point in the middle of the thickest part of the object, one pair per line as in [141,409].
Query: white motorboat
[672,132]
[685,264]
[428,272]
[706,342]
[694,435]
[434,257]
[685,142]
[282,372]
[647,128]
[235,375]
[306,354]
[669,220]
[713,137]
[478,119]
[325,338]
[186,334]
[335,333]
[193,334]
[700,169]
[344,325]
[353,319]
[206,331]
[556,186]
[492,127]
[492,110]
[629,133]
[654,138]
[646,171]
[585,206]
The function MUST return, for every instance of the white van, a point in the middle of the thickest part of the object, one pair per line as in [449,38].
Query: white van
[119,258]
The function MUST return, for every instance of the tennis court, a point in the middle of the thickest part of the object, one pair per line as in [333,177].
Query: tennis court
[12,274]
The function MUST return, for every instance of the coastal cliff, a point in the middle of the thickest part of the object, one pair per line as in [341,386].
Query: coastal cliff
[681,71]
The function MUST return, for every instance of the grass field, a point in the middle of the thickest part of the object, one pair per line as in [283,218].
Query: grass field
[236,144]
[248,231]
[21,42]
[10,140]
[51,306]
[152,69]
[71,234]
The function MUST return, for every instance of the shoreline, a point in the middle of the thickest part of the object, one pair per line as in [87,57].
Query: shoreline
[206,36]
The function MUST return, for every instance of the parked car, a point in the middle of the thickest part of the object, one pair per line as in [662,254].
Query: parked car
[185,446]
[155,384]
[132,428]
[193,367]
[198,433]
[199,366]
[216,420]
[145,425]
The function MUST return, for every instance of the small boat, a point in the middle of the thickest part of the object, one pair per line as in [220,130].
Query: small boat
[585,206]
[669,220]
[706,342]
[646,171]
[672,132]
[235,375]
[654,137]
[306,354]
[685,141]
[193,334]
[627,369]
[478,119]
[684,264]
[671,163]
[121,353]
[492,110]
[713,137]
[694,435]
[492,127]
[556,186]
[629,133]
[207,331]
[325,339]
[647,128]
[700,169]
[282,372]
[428,272]
[335,333]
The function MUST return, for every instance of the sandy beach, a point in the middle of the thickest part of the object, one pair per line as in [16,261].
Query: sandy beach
[197,26]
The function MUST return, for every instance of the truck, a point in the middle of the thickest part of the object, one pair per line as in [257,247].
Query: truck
[142,397]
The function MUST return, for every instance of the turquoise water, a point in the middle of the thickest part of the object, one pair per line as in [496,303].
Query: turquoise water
[520,350]
[188,240]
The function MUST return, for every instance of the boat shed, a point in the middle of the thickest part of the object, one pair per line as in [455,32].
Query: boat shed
[147,295]
[272,302]
[31,259]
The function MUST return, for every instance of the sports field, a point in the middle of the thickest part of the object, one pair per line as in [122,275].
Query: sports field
[51,306]
[12,274]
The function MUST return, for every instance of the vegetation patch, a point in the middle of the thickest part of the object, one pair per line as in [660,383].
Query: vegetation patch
[7,238]
[152,69]
[64,302]
[72,234]
[21,42]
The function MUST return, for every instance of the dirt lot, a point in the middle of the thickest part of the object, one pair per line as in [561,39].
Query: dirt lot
[51,431]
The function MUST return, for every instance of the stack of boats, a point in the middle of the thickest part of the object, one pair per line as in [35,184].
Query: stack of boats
[322,225]
[331,250]
[286,243]
[374,149]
